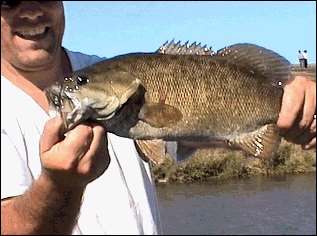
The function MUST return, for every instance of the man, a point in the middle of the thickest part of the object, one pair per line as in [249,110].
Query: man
[50,194]
[305,58]
[63,185]
[300,59]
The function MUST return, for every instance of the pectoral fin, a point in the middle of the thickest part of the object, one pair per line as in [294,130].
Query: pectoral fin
[260,143]
[160,115]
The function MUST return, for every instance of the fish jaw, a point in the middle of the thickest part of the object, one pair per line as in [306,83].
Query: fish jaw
[77,111]
[81,112]
[74,107]
[58,100]
[101,108]
[65,104]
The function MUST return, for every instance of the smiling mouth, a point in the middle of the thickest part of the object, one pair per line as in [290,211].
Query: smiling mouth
[33,33]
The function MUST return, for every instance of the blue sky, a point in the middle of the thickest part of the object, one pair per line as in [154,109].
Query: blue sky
[111,28]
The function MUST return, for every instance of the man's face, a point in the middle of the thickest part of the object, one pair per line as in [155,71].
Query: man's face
[31,34]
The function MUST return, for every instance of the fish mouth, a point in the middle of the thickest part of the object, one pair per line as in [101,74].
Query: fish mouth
[60,102]
[74,110]
[53,95]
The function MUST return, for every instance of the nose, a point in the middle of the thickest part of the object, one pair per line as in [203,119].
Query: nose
[30,10]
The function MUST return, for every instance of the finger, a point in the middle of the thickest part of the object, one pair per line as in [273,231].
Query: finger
[313,125]
[294,131]
[306,136]
[78,140]
[99,141]
[310,145]
[309,106]
[51,133]
[97,158]
[291,105]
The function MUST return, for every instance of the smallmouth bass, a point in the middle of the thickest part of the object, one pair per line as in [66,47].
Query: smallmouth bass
[232,96]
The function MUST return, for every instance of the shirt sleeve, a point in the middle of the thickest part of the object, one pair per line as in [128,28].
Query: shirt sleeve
[16,177]
[79,60]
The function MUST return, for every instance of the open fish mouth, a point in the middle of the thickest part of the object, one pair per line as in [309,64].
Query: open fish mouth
[54,97]
[61,102]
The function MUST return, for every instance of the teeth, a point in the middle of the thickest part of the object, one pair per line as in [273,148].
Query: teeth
[32,32]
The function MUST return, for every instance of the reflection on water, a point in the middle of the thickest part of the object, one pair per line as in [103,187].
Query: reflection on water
[258,205]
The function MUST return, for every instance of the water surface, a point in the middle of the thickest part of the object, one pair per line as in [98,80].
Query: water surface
[257,205]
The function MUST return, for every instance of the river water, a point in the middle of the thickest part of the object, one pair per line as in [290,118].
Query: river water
[257,205]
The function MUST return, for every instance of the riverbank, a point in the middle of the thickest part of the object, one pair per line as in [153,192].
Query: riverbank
[221,163]
[310,71]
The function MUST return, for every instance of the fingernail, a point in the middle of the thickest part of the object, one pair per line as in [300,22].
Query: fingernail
[306,147]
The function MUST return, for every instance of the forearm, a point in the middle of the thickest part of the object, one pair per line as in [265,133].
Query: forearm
[43,209]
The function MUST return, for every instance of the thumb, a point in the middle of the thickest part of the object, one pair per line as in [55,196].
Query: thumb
[51,134]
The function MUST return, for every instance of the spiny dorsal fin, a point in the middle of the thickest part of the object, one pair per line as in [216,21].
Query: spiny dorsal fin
[177,48]
[260,143]
[258,60]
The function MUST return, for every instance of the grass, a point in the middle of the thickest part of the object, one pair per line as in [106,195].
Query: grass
[220,163]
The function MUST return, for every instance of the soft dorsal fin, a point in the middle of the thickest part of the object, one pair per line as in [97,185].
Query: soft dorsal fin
[177,48]
[258,60]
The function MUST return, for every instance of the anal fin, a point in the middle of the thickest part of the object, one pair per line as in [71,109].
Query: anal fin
[260,143]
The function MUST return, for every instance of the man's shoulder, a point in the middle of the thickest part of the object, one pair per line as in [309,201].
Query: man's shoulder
[80,60]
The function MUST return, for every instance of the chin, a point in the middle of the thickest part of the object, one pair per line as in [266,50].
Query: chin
[39,63]
[38,58]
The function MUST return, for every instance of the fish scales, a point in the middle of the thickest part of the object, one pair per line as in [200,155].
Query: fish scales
[216,99]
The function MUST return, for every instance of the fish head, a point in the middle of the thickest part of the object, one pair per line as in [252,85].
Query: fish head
[91,94]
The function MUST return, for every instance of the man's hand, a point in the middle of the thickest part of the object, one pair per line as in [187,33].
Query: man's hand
[75,159]
[297,118]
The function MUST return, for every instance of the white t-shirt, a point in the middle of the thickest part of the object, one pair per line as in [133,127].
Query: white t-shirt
[121,201]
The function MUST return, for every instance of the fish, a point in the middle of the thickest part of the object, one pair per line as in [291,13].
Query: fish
[181,93]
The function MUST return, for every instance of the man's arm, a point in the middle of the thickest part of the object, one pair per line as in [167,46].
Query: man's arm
[43,209]
[51,205]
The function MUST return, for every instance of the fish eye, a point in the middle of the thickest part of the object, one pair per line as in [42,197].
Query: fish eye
[82,80]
